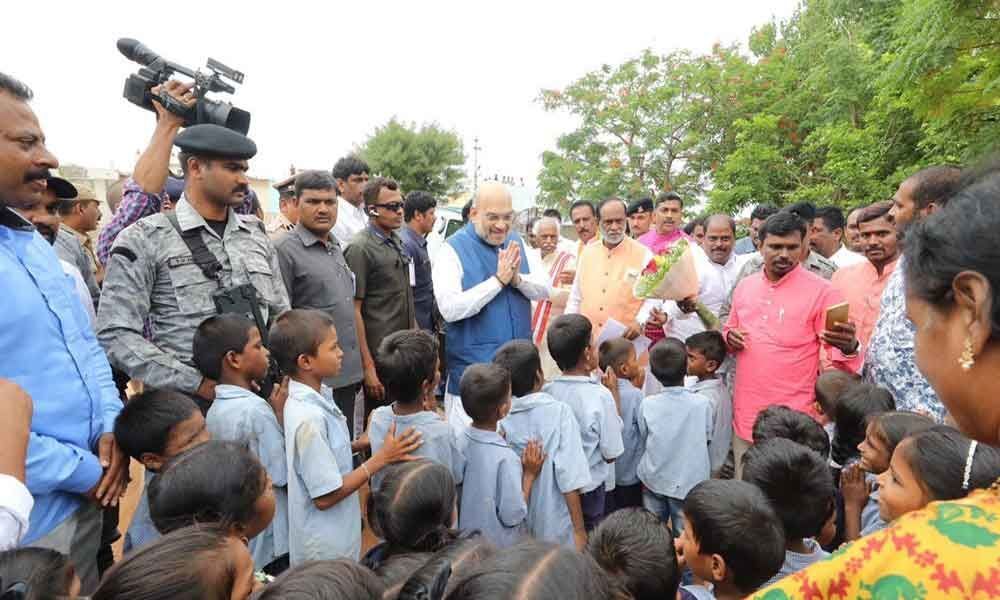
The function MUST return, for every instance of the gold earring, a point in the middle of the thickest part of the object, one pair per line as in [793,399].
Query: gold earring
[968,359]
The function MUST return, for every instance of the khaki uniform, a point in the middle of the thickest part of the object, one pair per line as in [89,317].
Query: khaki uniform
[151,276]
[69,248]
[278,227]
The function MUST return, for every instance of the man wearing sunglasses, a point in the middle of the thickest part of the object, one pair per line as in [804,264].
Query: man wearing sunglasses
[383,272]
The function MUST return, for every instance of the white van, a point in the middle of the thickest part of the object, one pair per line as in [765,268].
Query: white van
[447,220]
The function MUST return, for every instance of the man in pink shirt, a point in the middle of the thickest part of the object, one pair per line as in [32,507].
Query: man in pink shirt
[862,284]
[777,323]
[667,218]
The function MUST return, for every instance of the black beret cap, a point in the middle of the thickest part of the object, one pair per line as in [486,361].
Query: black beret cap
[63,189]
[642,205]
[215,140]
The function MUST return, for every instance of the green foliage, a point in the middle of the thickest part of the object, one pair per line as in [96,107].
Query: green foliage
[835,105]
[429,158]
[632,136]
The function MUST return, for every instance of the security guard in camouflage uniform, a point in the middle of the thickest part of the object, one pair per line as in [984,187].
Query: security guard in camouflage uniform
[153,274]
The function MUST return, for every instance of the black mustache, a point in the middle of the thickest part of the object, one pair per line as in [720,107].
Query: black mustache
[36,174]
[242,188]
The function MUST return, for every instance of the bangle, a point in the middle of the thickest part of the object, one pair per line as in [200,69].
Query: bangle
[368,473]
[500,281]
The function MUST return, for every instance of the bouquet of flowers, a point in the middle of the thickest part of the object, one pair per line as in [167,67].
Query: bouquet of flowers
[669,276]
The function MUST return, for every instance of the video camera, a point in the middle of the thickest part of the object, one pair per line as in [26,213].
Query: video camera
[156,70]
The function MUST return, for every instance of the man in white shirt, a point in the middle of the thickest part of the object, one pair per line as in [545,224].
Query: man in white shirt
[351,174]
[483,289]
[717,277]
[828,235]
[15,500]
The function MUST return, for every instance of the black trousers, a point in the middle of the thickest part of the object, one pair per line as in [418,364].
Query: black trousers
[344,398]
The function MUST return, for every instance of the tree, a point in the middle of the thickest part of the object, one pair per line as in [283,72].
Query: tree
[835,105]
[429,158]
[631,138]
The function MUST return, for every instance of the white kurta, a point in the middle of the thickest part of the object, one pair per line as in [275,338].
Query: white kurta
[350,220]
[455,304]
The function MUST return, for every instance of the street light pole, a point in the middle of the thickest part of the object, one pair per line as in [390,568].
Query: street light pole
[475,165]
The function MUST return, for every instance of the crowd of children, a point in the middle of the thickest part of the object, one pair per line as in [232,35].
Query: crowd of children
[577,487]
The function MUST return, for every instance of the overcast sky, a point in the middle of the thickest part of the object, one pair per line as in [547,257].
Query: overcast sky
[321,76]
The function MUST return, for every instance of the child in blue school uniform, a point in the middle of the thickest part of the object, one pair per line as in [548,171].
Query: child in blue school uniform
[324,513]
[594,406]
[228,349]
[152,428]
[215,482]
[858,482]
[676,426]
[638,553]
[407,366]
[706,352]
[618,354]
[797,483]
[497,484]
[732,540]
[554,511]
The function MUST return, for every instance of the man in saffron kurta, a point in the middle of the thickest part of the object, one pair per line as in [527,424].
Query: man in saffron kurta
[483,290]
[862,284]
[606,271]
[777,325]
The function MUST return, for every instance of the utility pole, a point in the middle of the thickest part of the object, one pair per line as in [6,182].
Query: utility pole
[475,165]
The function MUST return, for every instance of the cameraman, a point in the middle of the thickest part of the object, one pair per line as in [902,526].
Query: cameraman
[145,193]
[156,275]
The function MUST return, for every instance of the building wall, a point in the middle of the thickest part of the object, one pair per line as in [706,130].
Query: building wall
[101,179]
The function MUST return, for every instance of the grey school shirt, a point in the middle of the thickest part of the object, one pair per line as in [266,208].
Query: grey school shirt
[316,276]
[492,498]
[438,437]
[796,561]
[600,425]
[239,415]
[722,423]
[141,530]
[151,276]
[676,426]
[871,520]
[318,448]
[541,417]
[625,465]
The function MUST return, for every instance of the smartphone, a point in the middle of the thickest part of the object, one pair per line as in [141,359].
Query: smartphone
[838,313]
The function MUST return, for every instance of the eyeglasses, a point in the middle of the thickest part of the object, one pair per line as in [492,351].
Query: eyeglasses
[393,206]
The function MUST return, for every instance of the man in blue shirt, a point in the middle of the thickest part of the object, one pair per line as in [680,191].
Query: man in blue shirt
[49,349]
[418,212]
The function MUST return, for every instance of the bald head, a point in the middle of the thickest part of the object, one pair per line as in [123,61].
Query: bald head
[493,213]
[491,192]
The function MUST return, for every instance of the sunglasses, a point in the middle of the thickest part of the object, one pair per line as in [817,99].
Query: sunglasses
[393,206]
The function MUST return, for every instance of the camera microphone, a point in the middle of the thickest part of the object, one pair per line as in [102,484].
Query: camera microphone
[135,51]
[157,71]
